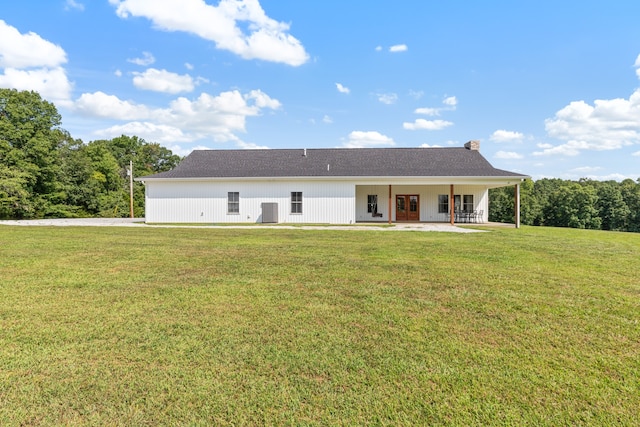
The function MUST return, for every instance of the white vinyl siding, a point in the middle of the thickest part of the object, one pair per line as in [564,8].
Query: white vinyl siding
[324,202]
[207,201]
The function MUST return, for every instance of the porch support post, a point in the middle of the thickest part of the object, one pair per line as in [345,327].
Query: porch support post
[517,205]
[451,206]
[389,203]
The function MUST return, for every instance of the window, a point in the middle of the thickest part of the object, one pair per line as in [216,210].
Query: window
[296,202]
[233,202]
[467,203]
[457,203]
[443,203]
[372,203]
[461,203]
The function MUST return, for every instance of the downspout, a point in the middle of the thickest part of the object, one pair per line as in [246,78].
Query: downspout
[451,206]
[517,205]
[389,203]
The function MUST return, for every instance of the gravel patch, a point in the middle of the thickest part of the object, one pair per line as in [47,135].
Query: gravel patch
[139,222]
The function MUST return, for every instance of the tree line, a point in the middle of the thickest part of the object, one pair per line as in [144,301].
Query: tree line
[599,205]
[44,172]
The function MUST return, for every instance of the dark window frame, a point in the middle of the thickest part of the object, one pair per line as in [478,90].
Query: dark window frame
[233,202]
[467,203]
[296,202]
[443,203]
[372,203]
[464,203]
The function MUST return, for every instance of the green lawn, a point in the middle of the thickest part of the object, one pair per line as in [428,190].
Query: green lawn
[191,326]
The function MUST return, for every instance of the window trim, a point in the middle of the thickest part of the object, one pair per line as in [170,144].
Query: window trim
[462,202]
[296,203]
[372,203]
[466,205]
[443,203]
[233,200]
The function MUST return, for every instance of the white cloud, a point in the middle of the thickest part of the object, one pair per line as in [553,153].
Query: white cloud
[450,101]
[398,48]
[571,148]
[579,174]
[223,24]
[612,177]
[51,83]
[251,146]
[146,60]
[28,50]
[425,111]
[99,104]
[162,134]
[163,81]
[218,118]
[416,94]
[637,153]
[502,135]
[188,66]
[341,88]
[182,152]
[30,62]
[326,119]
[586,169]
[422,124]
[118,73]
[262,100]
[362,139]
[71,4]
[387,98]
[430,146]
[508,155]
[608,124]
[378,48]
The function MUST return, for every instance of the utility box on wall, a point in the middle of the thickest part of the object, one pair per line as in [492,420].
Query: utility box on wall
[269,212]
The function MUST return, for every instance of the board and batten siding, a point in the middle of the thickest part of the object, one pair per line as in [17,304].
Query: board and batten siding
[206,201]
[428,200]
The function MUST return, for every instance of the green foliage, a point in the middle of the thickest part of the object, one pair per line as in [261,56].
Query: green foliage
[501,205]
[577,204]
[613,210]
[631,195]
[572,205]
[44,172]
[14,196]
[27,154]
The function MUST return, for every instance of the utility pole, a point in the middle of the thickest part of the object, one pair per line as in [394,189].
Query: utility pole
[130,173]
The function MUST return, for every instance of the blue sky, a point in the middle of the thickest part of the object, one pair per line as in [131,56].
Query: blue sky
[550,88]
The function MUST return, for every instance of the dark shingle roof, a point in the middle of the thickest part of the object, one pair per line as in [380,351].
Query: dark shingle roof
[347,162]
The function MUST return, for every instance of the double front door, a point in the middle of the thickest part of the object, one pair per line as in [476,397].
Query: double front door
[407,207]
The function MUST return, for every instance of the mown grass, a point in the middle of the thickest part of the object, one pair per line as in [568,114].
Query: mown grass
[159,326]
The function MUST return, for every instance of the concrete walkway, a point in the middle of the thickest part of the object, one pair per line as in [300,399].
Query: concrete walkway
[139,222]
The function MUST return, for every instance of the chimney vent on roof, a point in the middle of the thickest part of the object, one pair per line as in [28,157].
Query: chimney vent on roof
[473,145]
[305,153]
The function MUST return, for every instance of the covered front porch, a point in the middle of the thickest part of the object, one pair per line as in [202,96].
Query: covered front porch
[440,203]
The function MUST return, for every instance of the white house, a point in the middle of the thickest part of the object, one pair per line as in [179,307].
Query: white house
[332,186]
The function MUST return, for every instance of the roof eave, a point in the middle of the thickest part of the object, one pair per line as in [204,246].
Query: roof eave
[427,179]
